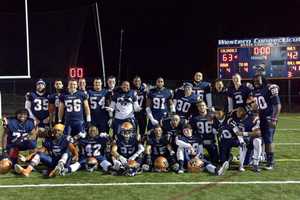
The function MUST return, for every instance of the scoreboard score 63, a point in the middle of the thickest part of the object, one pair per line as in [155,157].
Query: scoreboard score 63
[279,57]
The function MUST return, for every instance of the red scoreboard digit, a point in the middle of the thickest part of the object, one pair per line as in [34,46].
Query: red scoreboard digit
[76,72]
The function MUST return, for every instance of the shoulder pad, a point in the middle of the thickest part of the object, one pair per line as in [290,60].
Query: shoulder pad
[274,89]
[250,86]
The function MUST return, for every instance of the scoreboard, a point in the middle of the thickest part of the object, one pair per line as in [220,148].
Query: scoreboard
[279,57]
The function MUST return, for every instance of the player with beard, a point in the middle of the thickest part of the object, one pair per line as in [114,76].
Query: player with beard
[269,106]
[54,101]
[37,104]
[141,90]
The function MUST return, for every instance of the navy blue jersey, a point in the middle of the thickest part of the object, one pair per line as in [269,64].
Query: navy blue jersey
[202,127]
[239,96]
[97,102]
[73,106]
[127,149]
[266,97]
[249,123]
[93,147]
[159,101]
[54,99]
[201,89]
[169,129]
[194,141]
[141,95]
[39,104]
[224,128]
[56,148]
[17,131]
[158,147]
[185,105]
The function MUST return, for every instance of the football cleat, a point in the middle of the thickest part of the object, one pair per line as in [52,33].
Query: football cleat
[241,169]
[57,170]
[20,170]
[269,167]
[223,168]
[180,171]
[256,168]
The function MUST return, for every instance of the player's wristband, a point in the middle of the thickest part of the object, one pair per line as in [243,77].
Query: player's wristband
[246,134]
[88,118]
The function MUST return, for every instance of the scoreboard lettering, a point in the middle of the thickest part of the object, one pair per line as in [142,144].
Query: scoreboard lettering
[280,57]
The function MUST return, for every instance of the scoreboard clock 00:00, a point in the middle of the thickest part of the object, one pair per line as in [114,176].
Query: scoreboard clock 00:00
[280,57]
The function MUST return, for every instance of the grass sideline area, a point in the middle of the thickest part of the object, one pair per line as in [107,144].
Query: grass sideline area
[237,185]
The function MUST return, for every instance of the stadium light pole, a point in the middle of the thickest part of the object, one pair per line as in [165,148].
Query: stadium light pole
[100,43]
[120,55]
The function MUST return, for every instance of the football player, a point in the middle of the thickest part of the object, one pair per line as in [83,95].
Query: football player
[141,90]
[158,144]
[127,151]
[72,104]
[269,106]
[248,127]
[202,88]
[202,126]
[238,93]
[94,146]
[54,101]
[123,106]
[19,135]
[37,104]
[158,100]
[185,101]
[223,127]
[82,85]
[97,100]
[189,148]
[55,153]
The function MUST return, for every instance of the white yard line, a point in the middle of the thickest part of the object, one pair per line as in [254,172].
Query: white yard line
[151,183]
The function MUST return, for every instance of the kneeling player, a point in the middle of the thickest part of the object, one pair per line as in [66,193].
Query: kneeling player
[57,157]
[249,128]
[189,149]
[158,145]
[127,151]
[93,151]
[19,135]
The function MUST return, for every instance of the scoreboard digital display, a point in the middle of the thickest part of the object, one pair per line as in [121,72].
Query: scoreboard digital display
[278,57]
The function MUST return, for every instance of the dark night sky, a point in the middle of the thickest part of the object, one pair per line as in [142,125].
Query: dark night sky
[162,38]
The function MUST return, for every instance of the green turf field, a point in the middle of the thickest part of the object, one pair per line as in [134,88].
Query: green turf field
[287,169]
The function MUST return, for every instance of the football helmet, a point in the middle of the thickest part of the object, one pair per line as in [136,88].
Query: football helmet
[161,164]
[91,164]
[5,166]
[195,165]
[57,130]
[127,130]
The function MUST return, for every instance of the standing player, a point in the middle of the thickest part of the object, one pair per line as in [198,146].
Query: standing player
[37,104]
[97,100]
[72,104]
[54,101]
[268,101]
[185,101]
[238,93]
[141,90]
[123,105]
[82,85]
[202,126]
[158,100]
[202,88]
[219,95]
[19,135]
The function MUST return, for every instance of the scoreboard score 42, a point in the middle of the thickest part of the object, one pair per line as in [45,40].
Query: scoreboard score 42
[279,57]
